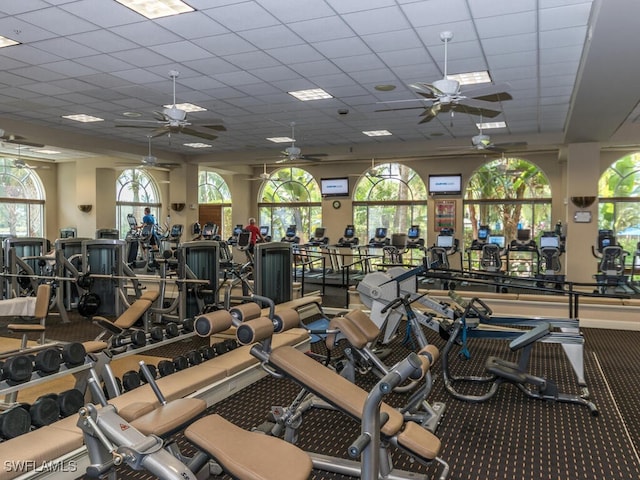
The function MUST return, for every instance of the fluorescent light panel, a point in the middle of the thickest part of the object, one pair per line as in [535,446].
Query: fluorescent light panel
[489,125]
[280,139]
[156,8]
[46,151]
[312,94]
[377,133]
[7,42]
[187,107]
[81,117]
[197,145]
[471,78]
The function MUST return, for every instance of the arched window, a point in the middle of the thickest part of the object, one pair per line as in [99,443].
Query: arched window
[21,201]
[214,198]
[619,200]
[507,194]
[291,196]
[390,195]
[135,189]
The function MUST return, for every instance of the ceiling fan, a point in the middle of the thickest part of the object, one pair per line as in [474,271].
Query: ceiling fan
[20,163]
[445,95]
[173,120]
[17,140]
[294,153]
[482,143]
[151,161]
[263,176]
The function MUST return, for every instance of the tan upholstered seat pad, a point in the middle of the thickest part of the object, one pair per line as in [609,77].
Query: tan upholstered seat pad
[249,455]
[170,416]
[326,383]
[25,327]
[419,441]
[132,314]
[364,323]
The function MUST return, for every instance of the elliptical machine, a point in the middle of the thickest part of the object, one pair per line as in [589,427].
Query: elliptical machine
[611,257]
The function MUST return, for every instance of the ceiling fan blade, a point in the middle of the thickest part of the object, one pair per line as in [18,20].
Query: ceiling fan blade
[426,89]
[510,145]
[398,109]
[475,107]
[197,133]
[490,93]
[160,116]
[24,142]
[213,124]
[158,132]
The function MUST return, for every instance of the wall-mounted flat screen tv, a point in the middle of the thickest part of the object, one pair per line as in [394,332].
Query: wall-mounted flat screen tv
[334,187]
[445,184]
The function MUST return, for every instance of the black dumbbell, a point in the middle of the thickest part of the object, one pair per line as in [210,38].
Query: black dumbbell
[166,367]
[156,334]
[171,330]
[70,401]
[14,421]
[152,369]
[194,357]
[17,369]
[73,354]
[180,362]
[207,352]
[135,338]
[188,324]
[47,361]
[45,410]
[130,380]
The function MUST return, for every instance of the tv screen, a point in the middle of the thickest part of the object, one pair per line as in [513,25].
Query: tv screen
[497,239]
[237,230]
[319,233]
[551,241]
[264,230]
[445,184]
[291,231]
[349,232]
[381,232]
[334,187]
[414,232]
[524,234]
[483,233]
[444,241]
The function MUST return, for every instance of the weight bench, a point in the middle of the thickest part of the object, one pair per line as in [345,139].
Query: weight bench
[112,440]
[345,396]
[360,331]
[124,322]
[40,312]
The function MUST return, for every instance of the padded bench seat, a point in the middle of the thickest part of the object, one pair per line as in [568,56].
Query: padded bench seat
[35,448]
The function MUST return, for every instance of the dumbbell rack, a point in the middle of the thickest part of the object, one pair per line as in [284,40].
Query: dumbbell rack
[151,345]
[37,378]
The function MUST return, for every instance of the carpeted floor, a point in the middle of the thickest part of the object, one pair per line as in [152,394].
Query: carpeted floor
[508,437]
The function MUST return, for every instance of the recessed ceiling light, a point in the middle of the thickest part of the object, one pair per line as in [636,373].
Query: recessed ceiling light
[385,87]
[377,133]
[488,125]
[187,107]
[83,118]
[280,139]
[156,8]
[471,78]
[7,42]
[197,145]
[312,94]
[131,114]
[46,151]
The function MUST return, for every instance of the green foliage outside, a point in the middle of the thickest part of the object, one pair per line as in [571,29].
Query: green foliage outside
[505,194]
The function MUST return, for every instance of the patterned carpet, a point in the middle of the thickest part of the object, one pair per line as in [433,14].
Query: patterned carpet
[508,437]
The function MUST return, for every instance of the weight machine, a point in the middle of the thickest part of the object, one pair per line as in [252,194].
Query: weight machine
[378,289]
[26,256]
[198,260]
[105,257]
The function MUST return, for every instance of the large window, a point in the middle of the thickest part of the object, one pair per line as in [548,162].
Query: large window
[135,190]
[619,200]
[507,194]
[291,196]
[392,196]
[213,190]
[21,201]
